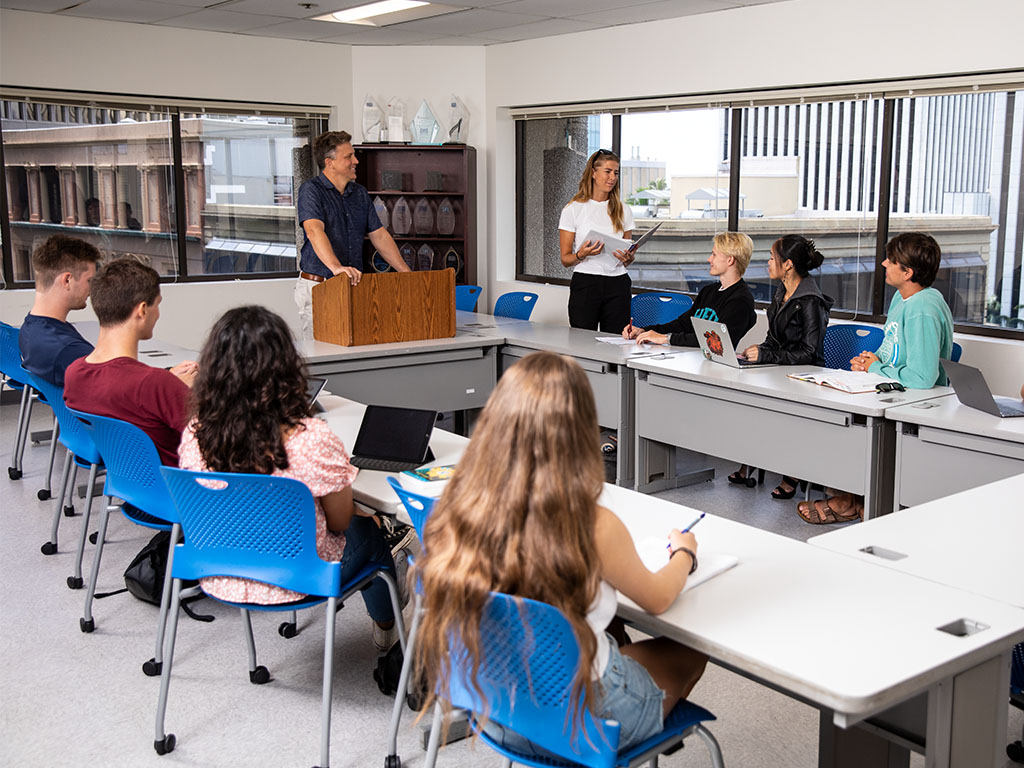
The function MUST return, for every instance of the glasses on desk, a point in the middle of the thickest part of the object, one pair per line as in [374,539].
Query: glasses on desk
[890,386]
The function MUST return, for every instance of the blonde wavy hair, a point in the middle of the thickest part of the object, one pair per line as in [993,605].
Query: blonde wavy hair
[586,190]
[518,517]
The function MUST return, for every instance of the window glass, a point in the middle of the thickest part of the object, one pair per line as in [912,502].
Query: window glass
[957,175]
[812,169]
[101,174]
[242,176]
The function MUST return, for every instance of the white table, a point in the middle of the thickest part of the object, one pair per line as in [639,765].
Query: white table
[371,487]
[155,352]
[760,417]
[857,641]
[943,447]
[972,540]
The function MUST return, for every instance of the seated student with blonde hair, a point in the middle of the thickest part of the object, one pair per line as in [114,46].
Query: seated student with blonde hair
[729,302]
[521,517]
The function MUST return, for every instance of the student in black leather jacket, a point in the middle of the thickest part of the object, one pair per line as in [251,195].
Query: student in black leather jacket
[797,318]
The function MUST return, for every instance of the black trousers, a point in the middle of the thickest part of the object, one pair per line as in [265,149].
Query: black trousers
[599,303]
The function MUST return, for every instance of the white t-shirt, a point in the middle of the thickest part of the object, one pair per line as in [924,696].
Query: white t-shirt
[581,218]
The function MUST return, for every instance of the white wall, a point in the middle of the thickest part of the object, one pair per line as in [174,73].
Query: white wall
[801,42]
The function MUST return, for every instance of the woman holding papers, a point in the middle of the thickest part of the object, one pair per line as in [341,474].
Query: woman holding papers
[251,414]
[521,516]
[599,293]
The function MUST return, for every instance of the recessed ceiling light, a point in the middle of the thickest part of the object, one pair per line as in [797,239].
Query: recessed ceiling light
[362,14]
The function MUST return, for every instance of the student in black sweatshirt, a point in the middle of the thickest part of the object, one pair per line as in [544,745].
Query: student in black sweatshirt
[729,302]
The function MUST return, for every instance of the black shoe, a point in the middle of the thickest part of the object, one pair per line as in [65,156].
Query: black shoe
[780,493]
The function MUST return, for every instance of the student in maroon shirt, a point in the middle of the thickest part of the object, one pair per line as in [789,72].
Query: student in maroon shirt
[111,381]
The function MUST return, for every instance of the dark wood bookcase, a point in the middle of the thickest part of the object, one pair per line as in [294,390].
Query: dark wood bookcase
[417,172]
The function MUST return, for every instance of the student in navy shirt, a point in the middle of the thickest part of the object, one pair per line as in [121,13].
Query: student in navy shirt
[336,214]
[64,267]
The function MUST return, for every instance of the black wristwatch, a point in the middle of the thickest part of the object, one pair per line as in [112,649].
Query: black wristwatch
[690,552]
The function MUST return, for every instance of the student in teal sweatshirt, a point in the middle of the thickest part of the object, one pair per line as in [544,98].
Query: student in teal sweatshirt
[918,333]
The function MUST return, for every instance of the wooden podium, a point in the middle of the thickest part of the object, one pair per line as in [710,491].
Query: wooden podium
[393,306]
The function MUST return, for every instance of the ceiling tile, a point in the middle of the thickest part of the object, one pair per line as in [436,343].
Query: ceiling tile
[290,8]
[379,36]
[41,6]
[564,8]
[126,10]
[469,22]
[222,21]
[541,29]
[666,9]
[296,29]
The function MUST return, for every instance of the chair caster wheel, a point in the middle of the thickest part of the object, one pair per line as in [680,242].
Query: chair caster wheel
[392,761]
[259,676]
[69,511]
[93,536]
[165,745]
[87,626]
[152,668]
[42,494]
[1015,751]
[74,582]
[14,474]
[48,548]
[751,482]
[288,629]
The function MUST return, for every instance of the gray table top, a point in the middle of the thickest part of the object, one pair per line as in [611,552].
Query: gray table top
[772,381]
[949,413]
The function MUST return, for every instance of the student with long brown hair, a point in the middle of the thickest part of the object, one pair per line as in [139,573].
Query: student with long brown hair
[599,292]
[521,517]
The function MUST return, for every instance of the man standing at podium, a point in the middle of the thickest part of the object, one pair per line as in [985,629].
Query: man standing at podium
[336,214]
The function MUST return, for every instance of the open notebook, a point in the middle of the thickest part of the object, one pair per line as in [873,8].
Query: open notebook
[654,555]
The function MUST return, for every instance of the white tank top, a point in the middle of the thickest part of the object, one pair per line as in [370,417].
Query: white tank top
[599,617]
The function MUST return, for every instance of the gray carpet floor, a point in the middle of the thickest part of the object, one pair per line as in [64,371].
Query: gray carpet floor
[74,699]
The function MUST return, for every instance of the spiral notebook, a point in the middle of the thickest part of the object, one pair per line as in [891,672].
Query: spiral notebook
[654,555]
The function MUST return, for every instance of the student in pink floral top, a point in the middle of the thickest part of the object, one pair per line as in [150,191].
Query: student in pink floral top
[250,414]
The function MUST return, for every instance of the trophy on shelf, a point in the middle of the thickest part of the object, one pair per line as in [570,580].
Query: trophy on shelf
[453,260]
[424,125]
[445,217]
[458,119]
[396,121]
[425,258]
[379,263]
[382,212]
[401,217]
[408,255]
[373,120]
[423,217]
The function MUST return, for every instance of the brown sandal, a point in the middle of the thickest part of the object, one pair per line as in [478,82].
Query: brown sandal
[821,512]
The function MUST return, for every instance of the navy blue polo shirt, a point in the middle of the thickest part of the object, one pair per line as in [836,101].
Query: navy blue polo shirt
[347,219]
[49,346]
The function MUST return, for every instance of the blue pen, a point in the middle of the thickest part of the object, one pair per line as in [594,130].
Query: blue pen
[687,528]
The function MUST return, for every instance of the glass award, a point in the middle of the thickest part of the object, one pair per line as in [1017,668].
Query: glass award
[424,125]
[396,120]
[425,258]
[458,119]
[379,263]
[373,120]
[445,217]
[408,255]
[401,217]
[423,217]
[382,212]
[453,260]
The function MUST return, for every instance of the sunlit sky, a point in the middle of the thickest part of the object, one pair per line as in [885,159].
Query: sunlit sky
[690,141]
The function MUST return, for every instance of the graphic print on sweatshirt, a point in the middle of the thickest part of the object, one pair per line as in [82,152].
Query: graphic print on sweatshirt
[706,313]
[889,351]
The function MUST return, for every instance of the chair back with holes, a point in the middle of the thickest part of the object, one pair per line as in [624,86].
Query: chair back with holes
[649,309]
[466,297]
[258,527]
[956,352]
[517,305]
[73,435]
[10,356]
[419,507]
[529,656]
[845,342]
[132,464]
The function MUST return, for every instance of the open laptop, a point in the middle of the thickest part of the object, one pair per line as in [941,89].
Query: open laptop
[314,386]
[394,439]
[717,346]
[972,390]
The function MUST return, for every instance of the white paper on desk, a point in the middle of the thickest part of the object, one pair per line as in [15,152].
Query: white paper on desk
[851,382]
[654,555]
[636,349]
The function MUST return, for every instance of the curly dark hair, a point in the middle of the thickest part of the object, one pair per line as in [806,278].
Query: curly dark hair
[250,391]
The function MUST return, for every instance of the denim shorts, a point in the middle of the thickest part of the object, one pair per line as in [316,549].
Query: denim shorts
[629,696]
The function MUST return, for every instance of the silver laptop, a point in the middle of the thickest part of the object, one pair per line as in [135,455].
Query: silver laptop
[716,344]
[972,390]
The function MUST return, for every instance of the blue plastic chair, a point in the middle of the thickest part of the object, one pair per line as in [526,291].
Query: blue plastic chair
[466,297]
[956,352]
[845,342]
[649,309]
[1015,750]
[529,658]
[258,527]
[81,452]
[517,305]
[133,475]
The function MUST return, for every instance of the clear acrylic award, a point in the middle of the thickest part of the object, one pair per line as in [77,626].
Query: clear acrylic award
[458,119]
[373,120]
[396,121]
[401,217]
[424,125]
[425,257]
[382,212]
[423,217]
[445,217]
[408,255]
